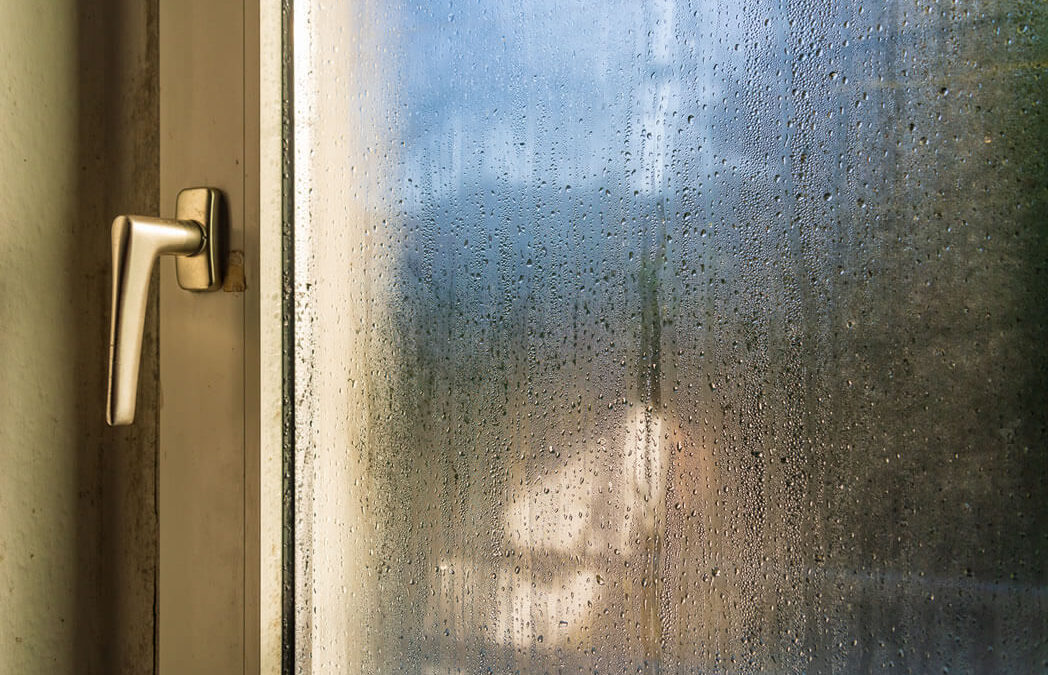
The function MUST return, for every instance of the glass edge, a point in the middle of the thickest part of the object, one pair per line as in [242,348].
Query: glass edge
[287,621]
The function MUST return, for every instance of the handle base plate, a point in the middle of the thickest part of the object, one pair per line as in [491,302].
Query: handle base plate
[203,270]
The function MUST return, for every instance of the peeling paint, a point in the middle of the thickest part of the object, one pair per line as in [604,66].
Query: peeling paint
[234,281]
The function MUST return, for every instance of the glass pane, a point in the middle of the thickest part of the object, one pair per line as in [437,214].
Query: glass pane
[669,335]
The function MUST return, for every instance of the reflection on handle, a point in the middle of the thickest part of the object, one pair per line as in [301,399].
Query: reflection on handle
[137,241]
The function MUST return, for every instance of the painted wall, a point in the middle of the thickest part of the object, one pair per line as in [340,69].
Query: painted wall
[78,144]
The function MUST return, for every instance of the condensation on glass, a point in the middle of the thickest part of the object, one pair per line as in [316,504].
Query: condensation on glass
[668,335]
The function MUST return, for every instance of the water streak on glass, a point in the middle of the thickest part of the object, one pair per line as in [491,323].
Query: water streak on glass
[681,336]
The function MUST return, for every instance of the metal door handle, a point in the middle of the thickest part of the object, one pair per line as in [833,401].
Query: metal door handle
[195,236]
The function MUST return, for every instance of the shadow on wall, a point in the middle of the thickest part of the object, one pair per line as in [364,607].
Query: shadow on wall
[118,173]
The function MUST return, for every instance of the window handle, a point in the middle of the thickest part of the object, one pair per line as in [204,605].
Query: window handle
[194,236]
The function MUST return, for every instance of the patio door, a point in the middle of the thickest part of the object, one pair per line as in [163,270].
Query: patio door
[676,336]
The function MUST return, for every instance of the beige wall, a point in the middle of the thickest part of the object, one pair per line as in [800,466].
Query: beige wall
[78,144]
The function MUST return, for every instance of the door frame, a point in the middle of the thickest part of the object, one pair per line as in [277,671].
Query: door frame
[220,414]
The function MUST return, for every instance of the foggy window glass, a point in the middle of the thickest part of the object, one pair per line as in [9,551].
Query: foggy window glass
[678,336]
